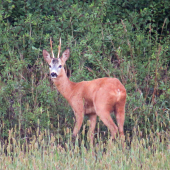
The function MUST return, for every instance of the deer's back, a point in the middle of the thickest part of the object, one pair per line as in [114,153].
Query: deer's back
[110,90]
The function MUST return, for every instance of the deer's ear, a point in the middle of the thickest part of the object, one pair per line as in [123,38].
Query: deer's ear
[65,55]
[46,56]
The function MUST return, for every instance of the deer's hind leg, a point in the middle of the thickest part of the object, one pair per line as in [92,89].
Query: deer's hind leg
[120,116]
[107,120]
[104,113]
[103,109]
[92,118]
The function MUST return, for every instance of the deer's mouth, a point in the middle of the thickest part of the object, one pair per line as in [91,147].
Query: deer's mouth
[53,75]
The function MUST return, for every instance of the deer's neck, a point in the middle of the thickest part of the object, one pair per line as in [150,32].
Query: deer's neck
[64,85]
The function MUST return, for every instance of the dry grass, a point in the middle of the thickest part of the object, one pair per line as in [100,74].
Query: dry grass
[44,151]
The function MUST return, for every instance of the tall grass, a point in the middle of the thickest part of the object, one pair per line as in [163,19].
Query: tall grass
[46,150]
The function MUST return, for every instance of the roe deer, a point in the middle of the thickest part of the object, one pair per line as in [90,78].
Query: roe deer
[98,97]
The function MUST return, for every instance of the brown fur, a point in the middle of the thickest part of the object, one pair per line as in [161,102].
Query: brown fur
[94,98]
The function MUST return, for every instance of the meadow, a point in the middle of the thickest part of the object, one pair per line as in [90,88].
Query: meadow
[46,151]
[128,40]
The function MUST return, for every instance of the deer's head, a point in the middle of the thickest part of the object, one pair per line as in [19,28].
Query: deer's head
[56,65]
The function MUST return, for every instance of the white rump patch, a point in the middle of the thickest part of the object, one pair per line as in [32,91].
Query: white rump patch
[118,97]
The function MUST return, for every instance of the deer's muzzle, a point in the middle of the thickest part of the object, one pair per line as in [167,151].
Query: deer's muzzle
[53,75]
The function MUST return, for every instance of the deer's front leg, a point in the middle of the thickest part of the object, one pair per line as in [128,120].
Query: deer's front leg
[79,120]
[77,106]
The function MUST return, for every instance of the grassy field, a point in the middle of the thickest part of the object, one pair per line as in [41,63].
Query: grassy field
[129,40]
[47,151]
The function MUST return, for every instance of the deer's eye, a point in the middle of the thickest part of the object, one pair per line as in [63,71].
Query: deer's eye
[60,66]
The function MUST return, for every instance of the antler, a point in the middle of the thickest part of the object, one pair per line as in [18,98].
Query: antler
[59,48]
[51,48]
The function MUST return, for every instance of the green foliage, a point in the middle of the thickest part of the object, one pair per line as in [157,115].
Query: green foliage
[124,39]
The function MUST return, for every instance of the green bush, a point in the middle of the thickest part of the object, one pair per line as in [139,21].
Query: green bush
[124,39]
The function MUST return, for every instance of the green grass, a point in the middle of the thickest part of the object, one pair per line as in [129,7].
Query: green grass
[46,151]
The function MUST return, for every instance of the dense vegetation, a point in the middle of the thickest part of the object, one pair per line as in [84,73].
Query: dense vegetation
[129,40]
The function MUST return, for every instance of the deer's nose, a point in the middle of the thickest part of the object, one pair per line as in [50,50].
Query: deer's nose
[53,74]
